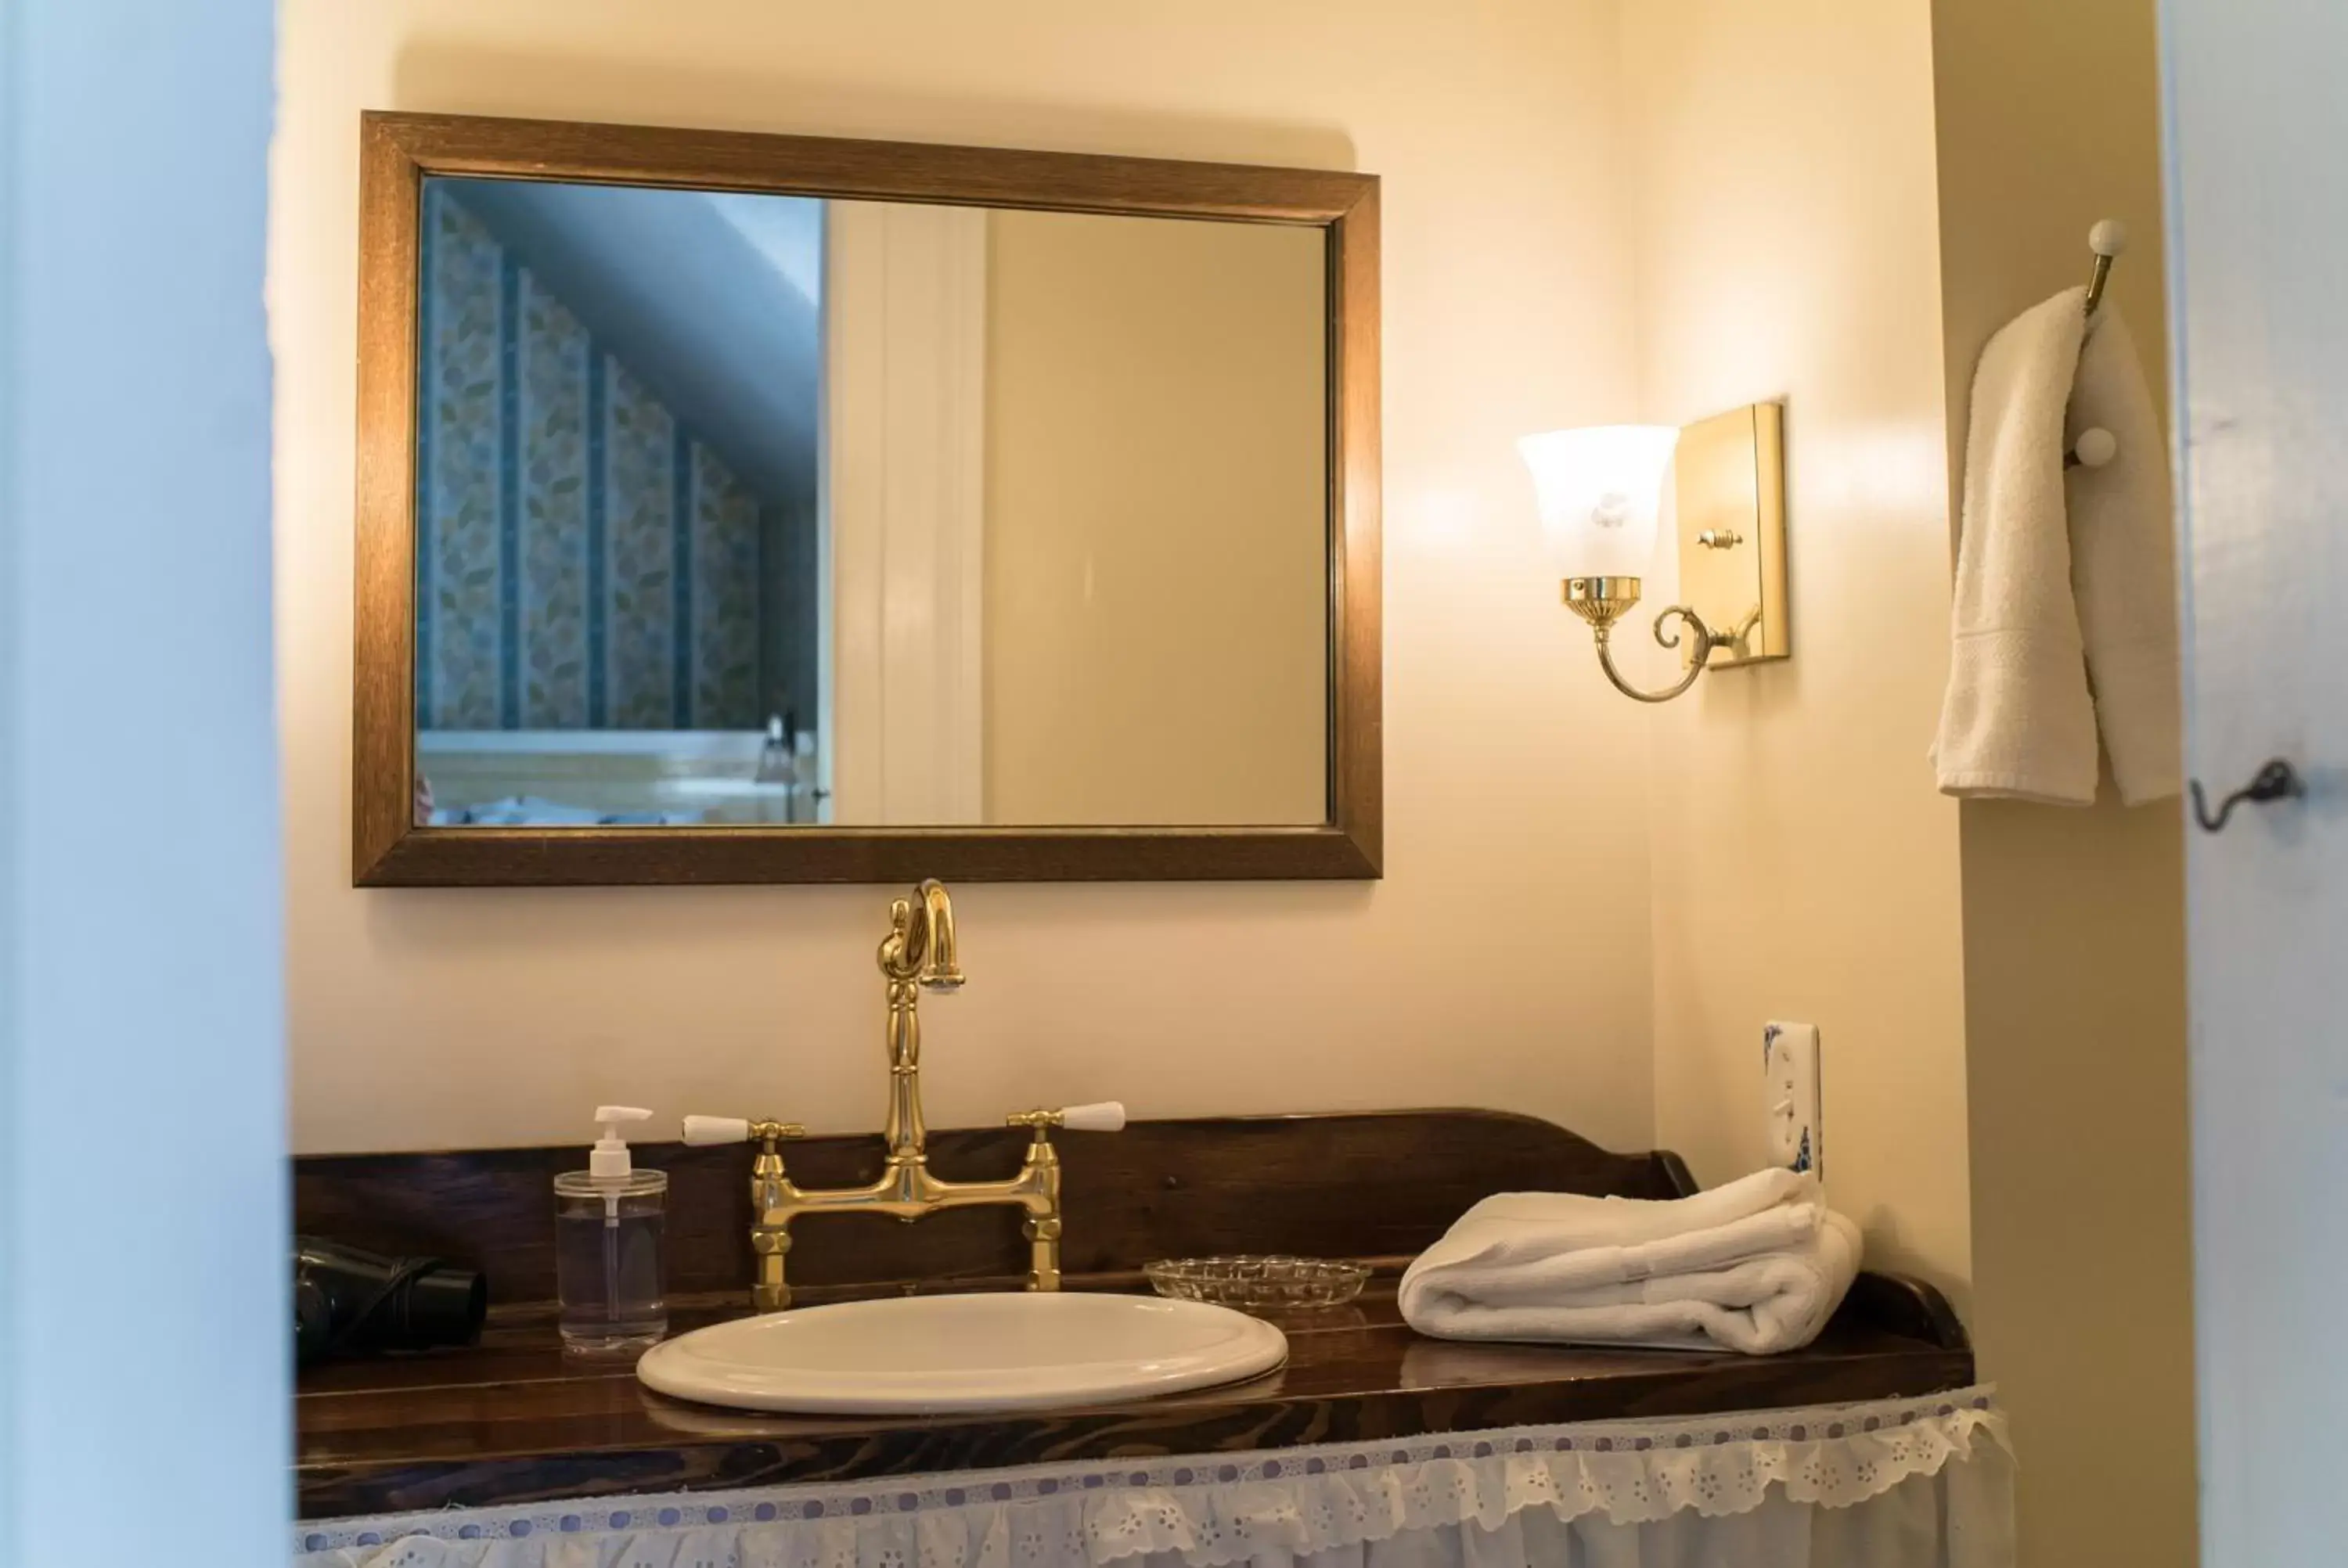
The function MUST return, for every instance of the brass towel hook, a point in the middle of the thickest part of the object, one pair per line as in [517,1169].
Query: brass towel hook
[2108,242]
[2276,781]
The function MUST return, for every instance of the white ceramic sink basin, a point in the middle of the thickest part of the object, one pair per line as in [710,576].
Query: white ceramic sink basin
[924,1354]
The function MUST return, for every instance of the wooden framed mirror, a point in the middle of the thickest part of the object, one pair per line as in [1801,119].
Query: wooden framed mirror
[737,507]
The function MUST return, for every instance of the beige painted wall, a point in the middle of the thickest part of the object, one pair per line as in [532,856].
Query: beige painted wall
[1156,551]
[423,1017]
[2073,920]
[1804,866]
[2000,986]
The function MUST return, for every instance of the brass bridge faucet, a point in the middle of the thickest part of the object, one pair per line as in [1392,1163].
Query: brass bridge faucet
[917,954]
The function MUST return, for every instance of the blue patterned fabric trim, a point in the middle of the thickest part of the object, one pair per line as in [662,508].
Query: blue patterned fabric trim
[509,491]
[680,515]
[581,562]
[599,478]
[427,409]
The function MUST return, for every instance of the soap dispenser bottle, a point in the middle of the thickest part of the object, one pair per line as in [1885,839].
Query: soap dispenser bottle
[611,1272]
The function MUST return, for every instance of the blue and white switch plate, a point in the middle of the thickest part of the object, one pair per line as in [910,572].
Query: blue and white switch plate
[1790,1095]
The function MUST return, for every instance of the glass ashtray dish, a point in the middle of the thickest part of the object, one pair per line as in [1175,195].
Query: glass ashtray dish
[1258,1282]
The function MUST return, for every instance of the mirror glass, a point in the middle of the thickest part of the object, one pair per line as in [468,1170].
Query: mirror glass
[740,509]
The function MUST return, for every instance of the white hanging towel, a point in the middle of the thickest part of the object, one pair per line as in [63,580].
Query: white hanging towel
[2061,574]
[2123,568]
[2017,721]
[1756,1265]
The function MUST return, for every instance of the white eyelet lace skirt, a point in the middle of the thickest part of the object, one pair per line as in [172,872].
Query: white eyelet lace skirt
[1911,1483]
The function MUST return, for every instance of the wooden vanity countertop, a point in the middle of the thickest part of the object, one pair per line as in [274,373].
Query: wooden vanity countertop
[511,1420]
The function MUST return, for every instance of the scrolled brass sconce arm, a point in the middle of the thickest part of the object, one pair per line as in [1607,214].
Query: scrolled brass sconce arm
[1706,639]
[1603,601]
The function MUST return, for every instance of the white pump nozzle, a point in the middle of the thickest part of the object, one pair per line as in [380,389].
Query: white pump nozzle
[609,1155]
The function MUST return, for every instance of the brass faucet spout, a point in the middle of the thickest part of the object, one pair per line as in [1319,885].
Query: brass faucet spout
[940,959]
[919,946]
[918,953]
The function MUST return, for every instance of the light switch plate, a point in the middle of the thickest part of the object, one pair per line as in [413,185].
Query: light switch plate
[1790,1095]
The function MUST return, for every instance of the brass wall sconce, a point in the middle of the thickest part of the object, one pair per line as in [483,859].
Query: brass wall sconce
[1599,492]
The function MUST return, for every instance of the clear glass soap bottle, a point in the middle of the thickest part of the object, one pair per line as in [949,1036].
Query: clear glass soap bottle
[611,1263]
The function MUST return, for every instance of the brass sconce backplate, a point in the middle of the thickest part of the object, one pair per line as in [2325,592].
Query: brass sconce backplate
[1729,474]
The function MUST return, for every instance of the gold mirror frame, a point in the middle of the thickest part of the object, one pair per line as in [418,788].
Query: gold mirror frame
[388,849]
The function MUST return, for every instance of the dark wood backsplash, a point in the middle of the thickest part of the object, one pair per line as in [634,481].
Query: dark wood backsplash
[1367,1185]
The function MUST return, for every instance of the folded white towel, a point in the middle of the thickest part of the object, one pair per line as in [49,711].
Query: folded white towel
[2123,570]
[2017,721]
[1756,1265]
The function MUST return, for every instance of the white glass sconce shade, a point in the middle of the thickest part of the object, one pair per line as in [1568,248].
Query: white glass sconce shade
[1599,490]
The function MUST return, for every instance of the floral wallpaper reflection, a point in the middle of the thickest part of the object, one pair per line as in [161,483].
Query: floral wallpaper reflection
[582,561]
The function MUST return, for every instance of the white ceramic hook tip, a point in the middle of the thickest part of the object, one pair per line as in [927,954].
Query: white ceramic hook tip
[2108,238]
[2096,447]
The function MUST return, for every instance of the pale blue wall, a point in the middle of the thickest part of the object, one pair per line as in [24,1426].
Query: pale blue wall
[143,1351]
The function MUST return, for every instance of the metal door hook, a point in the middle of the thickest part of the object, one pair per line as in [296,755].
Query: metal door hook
[2276,781]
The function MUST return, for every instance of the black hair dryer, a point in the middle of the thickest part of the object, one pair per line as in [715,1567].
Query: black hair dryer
[350,1300]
